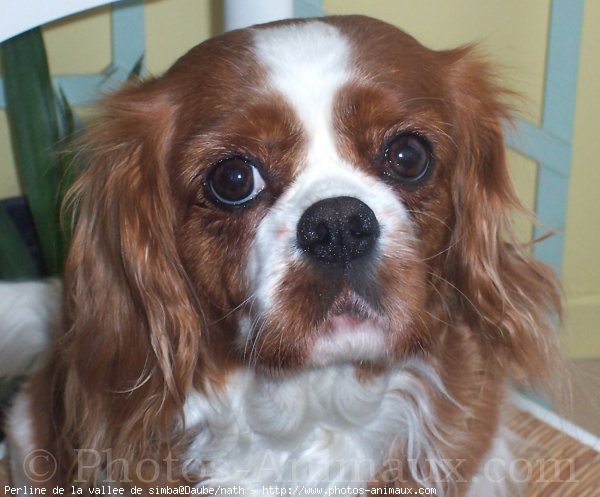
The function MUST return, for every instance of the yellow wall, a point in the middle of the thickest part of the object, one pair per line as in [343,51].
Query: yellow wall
[8,181]
[582,249]
[512,32]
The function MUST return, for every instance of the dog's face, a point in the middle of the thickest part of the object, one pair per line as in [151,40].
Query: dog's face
[316,190]
[297,195]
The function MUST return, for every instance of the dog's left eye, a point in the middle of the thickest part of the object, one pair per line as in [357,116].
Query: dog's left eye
[235,181]
[409,158]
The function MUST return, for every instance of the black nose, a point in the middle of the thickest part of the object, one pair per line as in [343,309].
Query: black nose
[338,230]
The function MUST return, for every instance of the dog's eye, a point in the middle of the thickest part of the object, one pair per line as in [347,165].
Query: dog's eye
[409,157]
[235,181]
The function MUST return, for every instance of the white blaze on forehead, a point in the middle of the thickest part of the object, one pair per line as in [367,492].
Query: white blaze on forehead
[307,63]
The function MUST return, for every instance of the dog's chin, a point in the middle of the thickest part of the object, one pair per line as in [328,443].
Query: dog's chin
[344,337]
[350,338]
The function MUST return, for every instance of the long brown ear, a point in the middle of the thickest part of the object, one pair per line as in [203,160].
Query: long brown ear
[507,295]
[132,347]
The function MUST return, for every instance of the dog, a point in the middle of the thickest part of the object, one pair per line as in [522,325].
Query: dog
[292,266]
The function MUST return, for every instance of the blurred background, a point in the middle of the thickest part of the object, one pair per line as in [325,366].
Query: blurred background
[555,161]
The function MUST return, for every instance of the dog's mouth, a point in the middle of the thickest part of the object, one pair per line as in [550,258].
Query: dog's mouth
[349,311]
[351,304]
[353,332]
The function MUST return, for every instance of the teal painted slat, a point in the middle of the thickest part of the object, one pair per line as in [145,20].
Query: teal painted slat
[551,144]
[540,146]
[128,42]
[128,34]
[551,208]
[85,89]
[80,90]
[562,67]
[308,8]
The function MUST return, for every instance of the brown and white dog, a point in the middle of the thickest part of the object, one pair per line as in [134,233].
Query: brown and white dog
[292,265]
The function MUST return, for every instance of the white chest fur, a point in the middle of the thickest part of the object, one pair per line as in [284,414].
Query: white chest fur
[320,428]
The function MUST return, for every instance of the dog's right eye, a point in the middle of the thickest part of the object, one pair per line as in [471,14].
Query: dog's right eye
[235,181]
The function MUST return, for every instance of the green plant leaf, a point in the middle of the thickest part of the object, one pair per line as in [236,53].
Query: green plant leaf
[71,126]
[15,260]
[35,133]
[66,115]
[137,69]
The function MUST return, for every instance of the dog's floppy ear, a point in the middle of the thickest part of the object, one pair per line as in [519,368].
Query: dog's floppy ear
[508,296]
[134,326]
